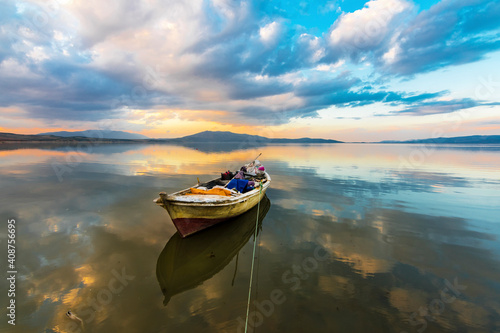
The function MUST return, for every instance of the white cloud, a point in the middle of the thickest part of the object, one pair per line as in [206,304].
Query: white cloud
[391,55]
[367,27]
[38,54]
[270,33]
[330,67]
[313,46]
[203,55]
[227,8]
[11,68]
[330,6]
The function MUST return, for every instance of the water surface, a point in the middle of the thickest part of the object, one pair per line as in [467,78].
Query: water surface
[354,238]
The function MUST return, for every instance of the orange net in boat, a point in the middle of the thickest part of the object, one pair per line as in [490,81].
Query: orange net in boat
[213,191]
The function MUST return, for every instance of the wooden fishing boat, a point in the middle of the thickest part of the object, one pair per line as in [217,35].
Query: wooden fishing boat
[191,213]
[186,263]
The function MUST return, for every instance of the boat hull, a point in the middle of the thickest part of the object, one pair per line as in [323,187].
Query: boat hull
[190,218]
[186,263]
[193,213]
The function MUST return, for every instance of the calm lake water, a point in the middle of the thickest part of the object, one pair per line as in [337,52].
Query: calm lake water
[354,238]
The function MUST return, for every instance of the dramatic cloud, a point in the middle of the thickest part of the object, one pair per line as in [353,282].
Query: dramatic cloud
[88,60]
[449,33]
[367,29]
[438,107]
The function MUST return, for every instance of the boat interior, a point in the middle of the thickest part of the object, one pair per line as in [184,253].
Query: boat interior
[222,183]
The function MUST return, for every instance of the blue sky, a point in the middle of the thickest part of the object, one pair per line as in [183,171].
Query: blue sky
[347,70]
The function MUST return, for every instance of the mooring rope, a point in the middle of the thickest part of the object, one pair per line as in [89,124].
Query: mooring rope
[253,259]
[257,269]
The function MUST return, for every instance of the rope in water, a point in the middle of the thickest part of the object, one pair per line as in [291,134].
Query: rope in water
[253,259]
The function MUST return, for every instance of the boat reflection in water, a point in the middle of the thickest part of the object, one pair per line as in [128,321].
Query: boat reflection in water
[186,263]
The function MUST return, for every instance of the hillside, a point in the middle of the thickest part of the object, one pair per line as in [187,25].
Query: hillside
[217,136]
[22,137]
[39,138]
[117,136]
[99,134]
[472,139]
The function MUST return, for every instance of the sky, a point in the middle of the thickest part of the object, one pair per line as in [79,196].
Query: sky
[339,69]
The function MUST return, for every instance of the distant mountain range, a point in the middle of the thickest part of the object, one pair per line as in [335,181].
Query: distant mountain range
[46,138]
[99,134]
[472,139]
[120,136]
[213,137]
[8,137]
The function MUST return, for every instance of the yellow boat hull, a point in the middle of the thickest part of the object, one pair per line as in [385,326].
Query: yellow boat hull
[194,213]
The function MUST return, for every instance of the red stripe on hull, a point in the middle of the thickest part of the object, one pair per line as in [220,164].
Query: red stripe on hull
[189,226]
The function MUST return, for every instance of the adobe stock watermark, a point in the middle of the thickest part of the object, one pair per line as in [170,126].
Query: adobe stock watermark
[86,312]
[371,32]
[150,81]
[437,306]
[292,277]
[38,21]
[75,155]
[275,117]
[418,156]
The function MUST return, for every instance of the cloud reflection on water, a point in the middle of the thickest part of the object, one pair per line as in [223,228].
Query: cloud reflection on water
[394,236]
